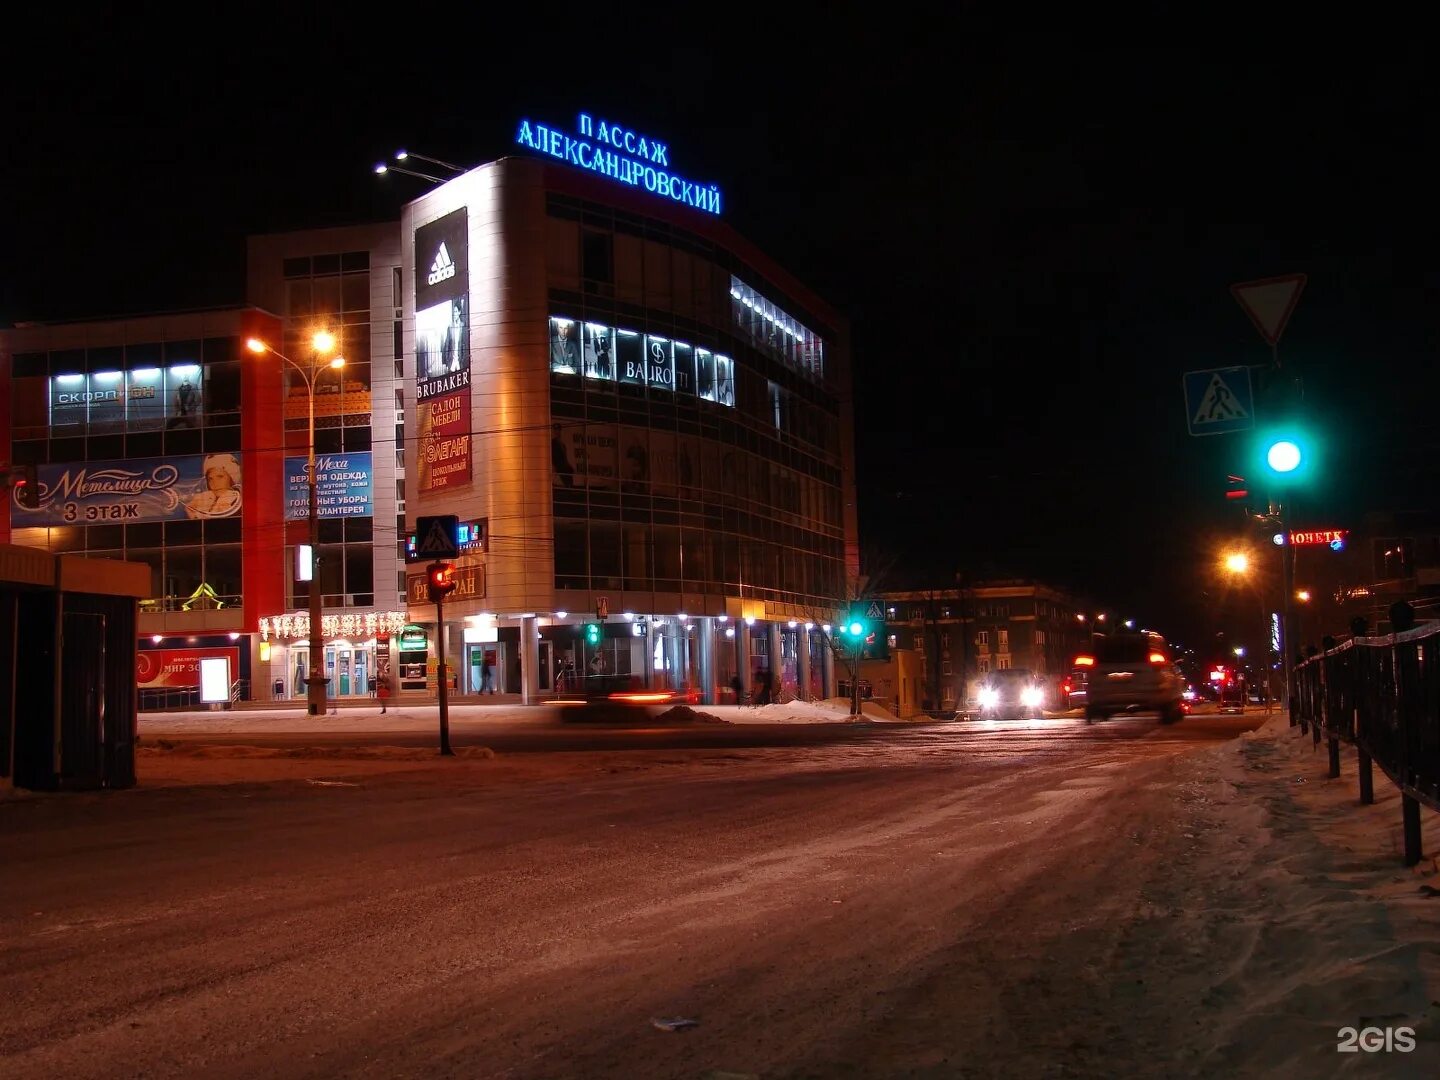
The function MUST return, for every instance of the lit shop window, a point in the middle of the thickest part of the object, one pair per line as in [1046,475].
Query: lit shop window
[772,330]
[615,354]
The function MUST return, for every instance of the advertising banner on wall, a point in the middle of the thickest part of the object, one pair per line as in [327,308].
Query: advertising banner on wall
[149,397]
[444,442]
[201,486]
[442,351]
[442,315]
[344,486]
[583,455]
[177,667]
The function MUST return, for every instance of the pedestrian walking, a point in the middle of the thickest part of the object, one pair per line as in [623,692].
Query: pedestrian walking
[762,687]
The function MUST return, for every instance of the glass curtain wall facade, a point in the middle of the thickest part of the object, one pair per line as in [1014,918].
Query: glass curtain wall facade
[695,443]
[161,413]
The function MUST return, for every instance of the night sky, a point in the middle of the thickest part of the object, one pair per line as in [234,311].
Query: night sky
[1033,242]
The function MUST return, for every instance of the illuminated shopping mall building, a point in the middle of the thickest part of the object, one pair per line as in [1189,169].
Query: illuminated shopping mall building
[639,420]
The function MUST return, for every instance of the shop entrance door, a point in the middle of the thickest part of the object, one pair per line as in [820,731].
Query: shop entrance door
[479,655]
[337,669]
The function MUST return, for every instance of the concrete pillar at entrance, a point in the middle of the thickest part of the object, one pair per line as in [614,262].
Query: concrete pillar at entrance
[742,658]
[803,636]
[776,661]
[529,661]
[706,630]
[675,652]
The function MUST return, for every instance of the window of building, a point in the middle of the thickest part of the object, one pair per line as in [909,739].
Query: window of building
[1002,662]
[1039,637]
[893,641]
[945,668]
[919,640]
[1003,636]
[982,639]
[917,614]
[982,665]
[597,256]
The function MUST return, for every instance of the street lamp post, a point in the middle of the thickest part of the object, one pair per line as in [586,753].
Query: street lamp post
[316,679]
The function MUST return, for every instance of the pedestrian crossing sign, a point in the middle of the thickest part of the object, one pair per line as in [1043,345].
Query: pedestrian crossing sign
[436,536]
[1219,401]
[874,611]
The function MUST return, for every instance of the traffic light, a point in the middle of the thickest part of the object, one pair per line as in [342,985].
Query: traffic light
[441,579]
[592,633]
[856,629]
[1287,455]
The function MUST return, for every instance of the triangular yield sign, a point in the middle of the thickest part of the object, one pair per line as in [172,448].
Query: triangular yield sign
[1269,302]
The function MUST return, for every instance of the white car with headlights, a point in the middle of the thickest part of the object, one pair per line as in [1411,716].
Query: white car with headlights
[1011,694]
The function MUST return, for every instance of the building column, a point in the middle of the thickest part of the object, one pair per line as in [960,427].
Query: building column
[776,661]
[529,660]
[827,660]
[706,643]
[674,654]
[742,657]
[803,662]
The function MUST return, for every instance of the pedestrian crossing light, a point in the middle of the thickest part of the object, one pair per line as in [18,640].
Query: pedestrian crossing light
[441,579]
[592,633]
[857,629]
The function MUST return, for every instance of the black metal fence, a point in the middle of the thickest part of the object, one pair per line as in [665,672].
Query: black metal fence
[1382,695]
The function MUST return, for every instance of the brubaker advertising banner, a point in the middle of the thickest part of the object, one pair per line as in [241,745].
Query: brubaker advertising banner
[442,351]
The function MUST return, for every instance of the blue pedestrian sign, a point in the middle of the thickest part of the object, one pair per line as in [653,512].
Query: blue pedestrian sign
[436,536]
[1219,401]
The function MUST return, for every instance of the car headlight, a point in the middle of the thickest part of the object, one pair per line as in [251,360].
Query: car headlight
[989,697]
[1031,697]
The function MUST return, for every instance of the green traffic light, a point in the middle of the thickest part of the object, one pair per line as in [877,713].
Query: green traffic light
[1288,455]
[1283,456]
[592,634]
[856,629]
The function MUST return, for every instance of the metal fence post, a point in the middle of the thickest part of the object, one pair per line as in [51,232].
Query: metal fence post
[1367,779]
[1410,813]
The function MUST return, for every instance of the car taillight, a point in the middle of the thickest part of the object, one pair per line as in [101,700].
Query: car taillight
[1157,658]
[1084,661]
[1067,687]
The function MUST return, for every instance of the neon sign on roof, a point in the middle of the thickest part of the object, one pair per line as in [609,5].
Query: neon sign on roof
[621,154]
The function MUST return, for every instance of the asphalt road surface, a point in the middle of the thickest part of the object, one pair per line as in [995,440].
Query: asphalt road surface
[822,900]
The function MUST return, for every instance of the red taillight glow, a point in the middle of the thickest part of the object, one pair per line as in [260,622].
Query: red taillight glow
[1084,661]
[643,698]
[1157,658]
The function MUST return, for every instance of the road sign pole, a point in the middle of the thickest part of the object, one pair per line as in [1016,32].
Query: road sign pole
[855,680]
[444,674]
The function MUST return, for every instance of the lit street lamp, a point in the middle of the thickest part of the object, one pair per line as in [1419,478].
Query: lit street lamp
[321,343]
[1238,564]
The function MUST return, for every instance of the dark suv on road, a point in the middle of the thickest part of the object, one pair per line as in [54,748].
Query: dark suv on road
[1133,672]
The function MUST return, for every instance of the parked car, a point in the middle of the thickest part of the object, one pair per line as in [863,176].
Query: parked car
[1011,694]
[1133,672]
